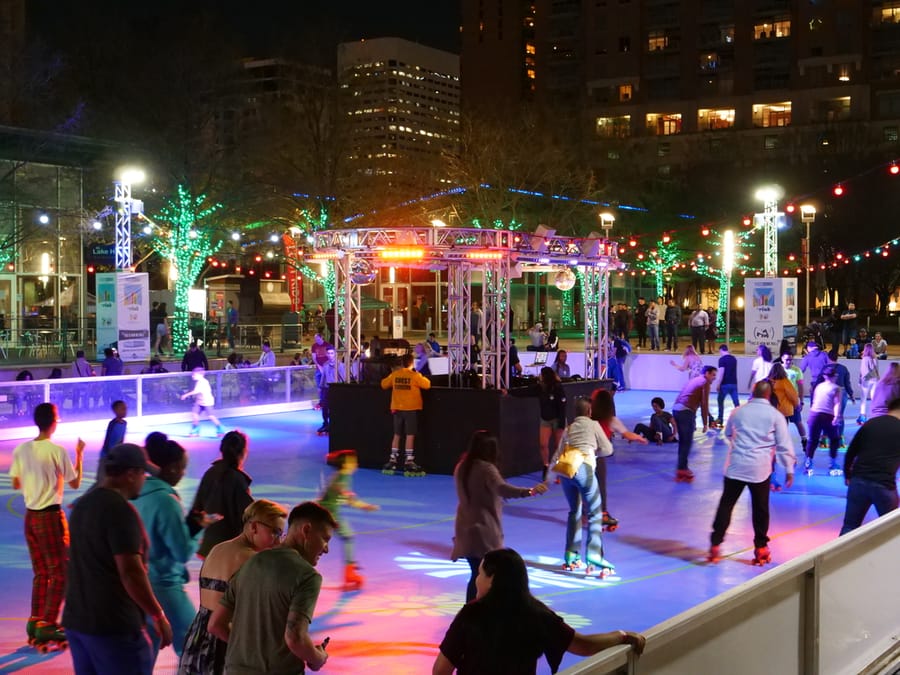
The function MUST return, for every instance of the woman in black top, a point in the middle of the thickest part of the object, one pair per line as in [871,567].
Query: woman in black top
[224,490]
[505,630]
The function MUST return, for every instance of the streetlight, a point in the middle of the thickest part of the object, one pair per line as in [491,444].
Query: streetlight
[606,222]
[127,177]
[727,267]
[807,216]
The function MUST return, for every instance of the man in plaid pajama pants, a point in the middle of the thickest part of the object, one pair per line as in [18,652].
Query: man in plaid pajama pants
[40,468]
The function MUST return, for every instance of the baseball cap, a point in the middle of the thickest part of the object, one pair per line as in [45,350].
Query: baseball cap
[130,456]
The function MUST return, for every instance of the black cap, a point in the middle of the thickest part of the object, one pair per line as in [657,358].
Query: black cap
[130,456]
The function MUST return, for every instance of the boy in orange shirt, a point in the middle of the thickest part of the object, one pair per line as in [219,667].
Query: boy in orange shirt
[406,387]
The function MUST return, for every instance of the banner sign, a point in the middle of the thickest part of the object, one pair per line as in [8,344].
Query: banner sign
[770,313]
[123,314]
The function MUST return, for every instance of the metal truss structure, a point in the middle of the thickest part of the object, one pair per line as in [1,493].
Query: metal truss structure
[122,197]
[770,238]
[476,342]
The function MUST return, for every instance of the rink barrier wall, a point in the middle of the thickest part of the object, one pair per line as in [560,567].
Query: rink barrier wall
[831,611]
[155,399]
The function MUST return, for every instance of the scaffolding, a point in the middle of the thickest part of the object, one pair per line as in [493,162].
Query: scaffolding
[477,343]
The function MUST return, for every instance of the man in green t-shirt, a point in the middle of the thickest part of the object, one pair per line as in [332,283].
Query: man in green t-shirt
[265,614]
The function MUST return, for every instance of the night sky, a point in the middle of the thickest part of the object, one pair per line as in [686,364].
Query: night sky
[263,27]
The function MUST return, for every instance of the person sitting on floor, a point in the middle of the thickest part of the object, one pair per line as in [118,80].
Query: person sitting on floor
[662,425]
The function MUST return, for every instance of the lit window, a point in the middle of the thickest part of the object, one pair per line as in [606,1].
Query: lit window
[778,28]
[889,13]
[614,127]
[625,92]
[890,134]
[663,124]
[708,118]
[657,40]
[772,114]
[709,61]
[529,48]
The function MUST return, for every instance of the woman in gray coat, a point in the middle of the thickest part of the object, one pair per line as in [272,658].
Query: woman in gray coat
[481,490]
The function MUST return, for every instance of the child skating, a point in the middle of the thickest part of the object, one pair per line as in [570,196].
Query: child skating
[203,402]
[339,492]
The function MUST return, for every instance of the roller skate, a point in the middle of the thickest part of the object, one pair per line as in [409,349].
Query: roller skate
[808,466]
[714,555]
[774,484]
[544,473]
[30,628]
[823,442]
[762,556]
[862,419]
[220,431]
[600,570]
[390,468]
[658,437]
[322,430]
[194,432]
[573,563]
[610,524]
[413,470]
[834,469]
[684,476]
[353,580]
[49,637]
[843,443]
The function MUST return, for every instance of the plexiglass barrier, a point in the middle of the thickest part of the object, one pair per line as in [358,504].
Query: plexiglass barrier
[237,392]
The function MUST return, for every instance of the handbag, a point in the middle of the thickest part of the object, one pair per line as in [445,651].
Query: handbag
[568,462]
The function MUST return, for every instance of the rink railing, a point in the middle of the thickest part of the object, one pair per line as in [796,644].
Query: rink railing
[155,399]
[832,610]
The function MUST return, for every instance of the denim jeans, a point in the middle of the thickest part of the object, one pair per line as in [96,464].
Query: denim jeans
[111,654]
[862,494]
[727,390]
[686,421]
[653,330]
[581,493]
[820,423]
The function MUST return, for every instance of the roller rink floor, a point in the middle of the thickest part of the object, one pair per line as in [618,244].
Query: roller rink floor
[395,624]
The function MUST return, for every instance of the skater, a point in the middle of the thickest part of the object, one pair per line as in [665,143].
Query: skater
[406,387]
[109,599]
[586,436]
[786,399]
[224,489]
[868,378]
[727,383]
[172,537]
[886,390]
[754,431]
[690,362]
[264,521]
[552,404]
[870,468]
[842,375]
[281,587]
[115,434]
[40,469]
[339,492]
[203,402]
[506,629]
[795,375]
[761,367]
[824,417]
[662,424]
[481,490]
[695,394]
[332,371]
[603,410]
[814,361]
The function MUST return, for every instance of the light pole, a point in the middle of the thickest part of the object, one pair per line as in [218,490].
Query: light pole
[727,267]
[127,207]
[807,216]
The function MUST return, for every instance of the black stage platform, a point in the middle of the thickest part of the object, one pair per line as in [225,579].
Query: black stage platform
[361,420]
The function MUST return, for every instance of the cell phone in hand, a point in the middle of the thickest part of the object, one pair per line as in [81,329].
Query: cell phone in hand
[325,642]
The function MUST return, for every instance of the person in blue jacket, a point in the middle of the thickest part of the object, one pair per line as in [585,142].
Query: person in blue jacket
[172,537]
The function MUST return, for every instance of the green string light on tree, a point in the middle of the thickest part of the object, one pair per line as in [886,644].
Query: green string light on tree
[186,242]
[668,254]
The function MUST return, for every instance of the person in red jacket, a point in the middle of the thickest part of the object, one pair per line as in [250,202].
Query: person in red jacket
[406,387]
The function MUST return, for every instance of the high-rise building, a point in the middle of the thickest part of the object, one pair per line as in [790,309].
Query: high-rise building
[400,102]
[12,41]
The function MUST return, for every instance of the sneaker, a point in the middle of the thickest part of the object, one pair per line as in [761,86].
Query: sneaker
[835,470]
[714,555]
[808,466]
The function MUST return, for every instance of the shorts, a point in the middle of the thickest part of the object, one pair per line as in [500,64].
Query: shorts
[162,330]
[406,422]
[796,417]
[202,408]
[553,424]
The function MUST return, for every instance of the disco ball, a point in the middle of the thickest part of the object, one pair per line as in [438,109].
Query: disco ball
[565,280]
[362,272]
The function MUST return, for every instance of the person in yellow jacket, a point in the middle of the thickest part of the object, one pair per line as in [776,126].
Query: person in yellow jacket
[406,387]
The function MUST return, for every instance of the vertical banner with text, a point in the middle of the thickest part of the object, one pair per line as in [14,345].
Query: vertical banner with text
[770,313]
[123,318]
[107,319]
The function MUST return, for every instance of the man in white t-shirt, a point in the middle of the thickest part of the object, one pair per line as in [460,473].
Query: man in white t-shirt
[40,468]
[203,402]
[699,323]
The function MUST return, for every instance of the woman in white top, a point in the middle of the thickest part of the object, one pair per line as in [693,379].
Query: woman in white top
[868,378]
[762,366]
